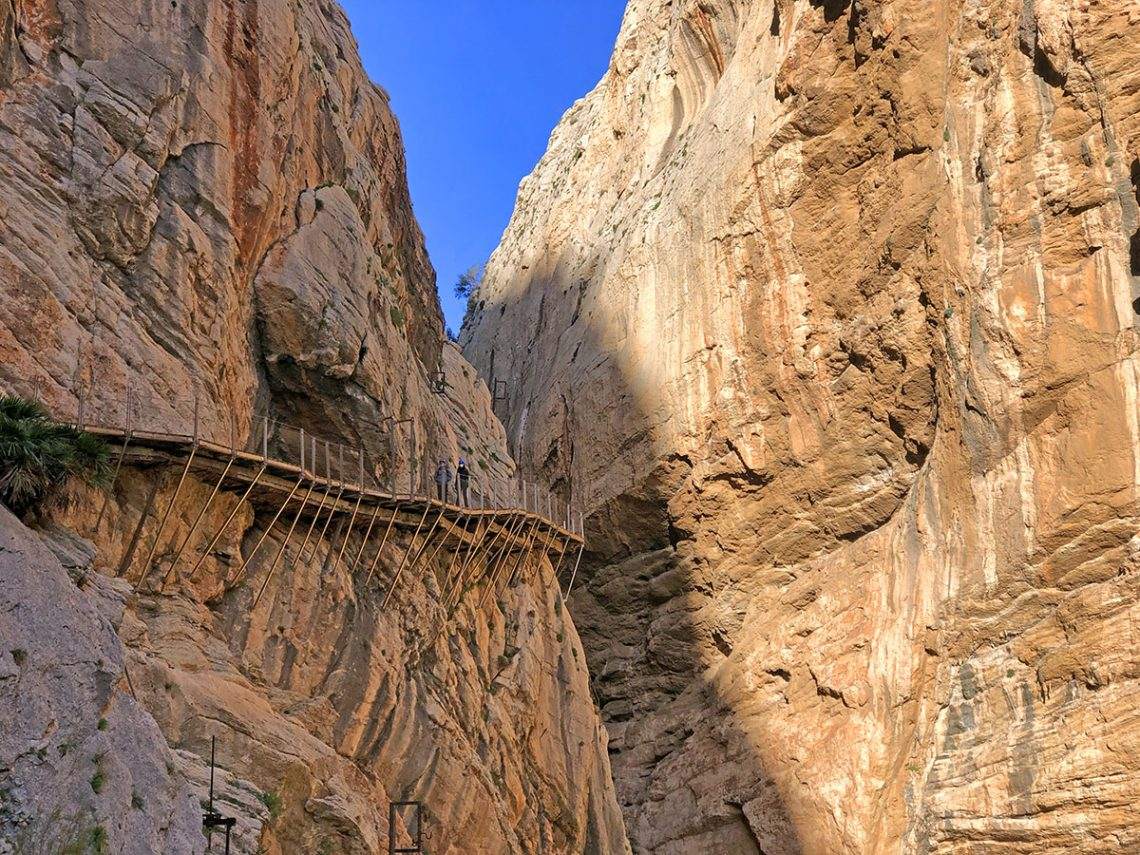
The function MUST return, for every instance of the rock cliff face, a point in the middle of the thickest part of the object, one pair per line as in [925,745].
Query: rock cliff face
[829,311]
[206,201]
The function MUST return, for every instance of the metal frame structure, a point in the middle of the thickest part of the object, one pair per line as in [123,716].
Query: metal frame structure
[394,809]
[492,538]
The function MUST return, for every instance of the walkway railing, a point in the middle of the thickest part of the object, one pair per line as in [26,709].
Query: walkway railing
[322,480]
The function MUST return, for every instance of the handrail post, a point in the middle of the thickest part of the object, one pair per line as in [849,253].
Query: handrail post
[196,406]
[265,437]
[302,443]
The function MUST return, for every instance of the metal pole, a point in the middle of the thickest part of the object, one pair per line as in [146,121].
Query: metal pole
[410,550]
[383,542]
[570,587]
[352,522]
[302,449]
[265,438]
[513,531]
[472,562]
[320,507]
[364,542]
[558,563]
[332,511]
[268,528]
[525,552]
[166,514]
[197,520]
[125,564]
[284,543]
[114,478]
[218,534]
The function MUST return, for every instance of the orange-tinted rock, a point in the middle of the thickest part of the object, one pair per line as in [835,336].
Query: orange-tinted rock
[828,311]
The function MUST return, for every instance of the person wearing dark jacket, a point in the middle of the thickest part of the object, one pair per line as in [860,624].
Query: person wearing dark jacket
[462,483]
[442,480]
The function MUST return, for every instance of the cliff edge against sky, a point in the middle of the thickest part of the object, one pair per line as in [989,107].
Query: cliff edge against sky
[206,202]
[829,311]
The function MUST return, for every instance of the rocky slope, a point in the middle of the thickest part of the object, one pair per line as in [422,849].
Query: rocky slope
[203,207]
[829,311]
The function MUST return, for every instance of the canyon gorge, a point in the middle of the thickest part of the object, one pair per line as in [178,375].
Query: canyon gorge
[205,219]
[825,313]
[828,312]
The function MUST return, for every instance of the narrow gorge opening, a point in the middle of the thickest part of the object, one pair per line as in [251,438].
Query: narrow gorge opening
[711,460]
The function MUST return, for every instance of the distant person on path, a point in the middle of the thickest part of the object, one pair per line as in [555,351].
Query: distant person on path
[462,482]
[442,480]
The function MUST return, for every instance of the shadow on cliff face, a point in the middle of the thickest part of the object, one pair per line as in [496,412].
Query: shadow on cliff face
[727,599]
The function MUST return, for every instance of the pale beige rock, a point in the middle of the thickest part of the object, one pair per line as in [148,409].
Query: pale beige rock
[829,312]
[82,765]
[210,197]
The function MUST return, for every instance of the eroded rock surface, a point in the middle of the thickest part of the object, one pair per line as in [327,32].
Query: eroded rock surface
[208,200]
[829,311]
[83,767]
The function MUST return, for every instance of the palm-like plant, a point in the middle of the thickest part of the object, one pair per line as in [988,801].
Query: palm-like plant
[39,456]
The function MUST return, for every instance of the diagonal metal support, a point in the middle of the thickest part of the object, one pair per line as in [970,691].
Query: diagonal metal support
[348,531]
[128,557]
[410,550]
[166,515]
[309,531]
[383,542]
[503,556]
[525,552]
[467,572]
[427,540]
[364,542]
[284,543]
[229,519]
[196,523]
[114,478]
[570,587]
[324,497]
[328,520]
[241,570]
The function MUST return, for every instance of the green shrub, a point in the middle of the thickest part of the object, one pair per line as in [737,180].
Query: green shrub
[39,456]
[397,317]
[272,802]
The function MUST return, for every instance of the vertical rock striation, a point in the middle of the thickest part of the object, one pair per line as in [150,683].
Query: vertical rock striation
[207,201]
[830,312]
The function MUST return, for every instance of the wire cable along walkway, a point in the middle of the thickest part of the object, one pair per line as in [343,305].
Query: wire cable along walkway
[325,489]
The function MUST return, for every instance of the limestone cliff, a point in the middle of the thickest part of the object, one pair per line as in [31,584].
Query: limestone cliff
[829,311]
[206,201]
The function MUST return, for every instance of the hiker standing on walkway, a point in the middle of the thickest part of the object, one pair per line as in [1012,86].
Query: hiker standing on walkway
[442,480]
[462,482]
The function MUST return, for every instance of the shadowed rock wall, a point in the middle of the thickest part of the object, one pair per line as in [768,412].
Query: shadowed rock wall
[828,310]
[209,199]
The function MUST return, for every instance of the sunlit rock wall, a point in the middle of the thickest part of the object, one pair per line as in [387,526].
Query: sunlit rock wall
[829,311]
[208,200]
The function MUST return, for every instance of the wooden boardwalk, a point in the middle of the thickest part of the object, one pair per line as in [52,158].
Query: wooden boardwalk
[299,500]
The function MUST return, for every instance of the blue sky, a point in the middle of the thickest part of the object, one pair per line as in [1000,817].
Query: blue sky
[478,85]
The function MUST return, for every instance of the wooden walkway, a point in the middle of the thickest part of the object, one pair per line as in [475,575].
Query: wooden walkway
[498,540]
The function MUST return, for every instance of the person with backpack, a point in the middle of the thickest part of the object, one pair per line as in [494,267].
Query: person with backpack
[462,483]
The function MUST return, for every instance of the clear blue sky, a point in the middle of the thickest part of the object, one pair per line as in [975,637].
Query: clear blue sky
[478,85]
